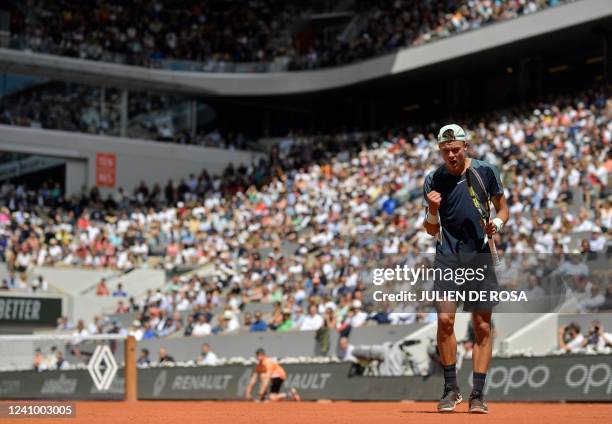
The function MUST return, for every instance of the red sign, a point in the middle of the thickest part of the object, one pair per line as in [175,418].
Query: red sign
[106,166]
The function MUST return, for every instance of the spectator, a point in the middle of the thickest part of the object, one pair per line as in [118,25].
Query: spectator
[60,363]
[586,251]
[323,335]
[593,298]
[133,306]
[207,357]
[359,317]
[168,325]
[597,242]
[345,350]
[227,323]
[119,292]
[101,289]
[63,324]
[143,358]
[80,330]
[597,338]
[39,361]
[389,205]
[259,324]
[51,359]
[534,290]
[312,321]
[19,282]
[148,331]
[287,323]
[201,328]
[575,267]
[247,320]
[96,326]
[23,260]
[136,330]
[121,308]
[164,358]
[380,317]
[189,326]
[570,339]
[277,318]
[39,284]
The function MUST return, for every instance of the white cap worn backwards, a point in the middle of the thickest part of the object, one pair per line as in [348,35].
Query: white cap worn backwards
[451,132]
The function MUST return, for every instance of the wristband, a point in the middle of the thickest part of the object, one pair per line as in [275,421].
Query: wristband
[499,224]
[432,219]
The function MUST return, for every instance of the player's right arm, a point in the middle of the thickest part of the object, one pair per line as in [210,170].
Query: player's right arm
[249,389]
[432,201]
[432,221]
[263,385]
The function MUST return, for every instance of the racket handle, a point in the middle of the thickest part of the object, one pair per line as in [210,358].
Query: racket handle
[494,255]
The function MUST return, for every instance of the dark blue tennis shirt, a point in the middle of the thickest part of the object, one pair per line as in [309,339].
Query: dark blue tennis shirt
[461,228]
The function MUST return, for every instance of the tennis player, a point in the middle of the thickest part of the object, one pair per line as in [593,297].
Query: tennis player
[271,377]
[463,229]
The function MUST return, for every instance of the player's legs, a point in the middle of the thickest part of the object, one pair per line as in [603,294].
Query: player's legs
[481,356]
[483,348]
[275,387]
[447,342]
[276,394]
[291,394]
[447,346]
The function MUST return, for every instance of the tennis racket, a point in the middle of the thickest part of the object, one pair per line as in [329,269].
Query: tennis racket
[482,203]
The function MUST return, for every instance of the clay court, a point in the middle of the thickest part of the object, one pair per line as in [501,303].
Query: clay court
[164,412]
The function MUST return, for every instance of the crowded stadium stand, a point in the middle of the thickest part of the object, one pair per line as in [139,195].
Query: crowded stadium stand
[188,34]
[379,204]
[168,179]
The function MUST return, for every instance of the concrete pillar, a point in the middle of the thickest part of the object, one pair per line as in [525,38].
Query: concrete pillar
[523,79]
[124,113]
[539,77]
[606,58]
[102,102]
[193,117]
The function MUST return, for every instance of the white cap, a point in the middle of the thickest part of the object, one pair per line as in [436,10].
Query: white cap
[451,132]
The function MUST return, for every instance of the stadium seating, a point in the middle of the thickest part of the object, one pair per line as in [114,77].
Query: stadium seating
[306,242]
[259,33]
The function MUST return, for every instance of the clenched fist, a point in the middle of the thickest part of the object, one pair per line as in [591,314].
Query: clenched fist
[434,198]
[490,228]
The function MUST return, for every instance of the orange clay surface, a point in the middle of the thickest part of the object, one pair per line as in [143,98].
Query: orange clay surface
[201,412]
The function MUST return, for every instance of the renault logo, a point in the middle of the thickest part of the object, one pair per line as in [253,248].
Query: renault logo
[102,377]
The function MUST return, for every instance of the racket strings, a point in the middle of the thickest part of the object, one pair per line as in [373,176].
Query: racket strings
[478,195]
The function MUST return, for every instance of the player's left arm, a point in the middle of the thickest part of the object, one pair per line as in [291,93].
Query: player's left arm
[249,389]
[502,213]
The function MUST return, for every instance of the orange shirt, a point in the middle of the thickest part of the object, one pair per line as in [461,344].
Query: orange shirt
[102,290]
[268,365]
